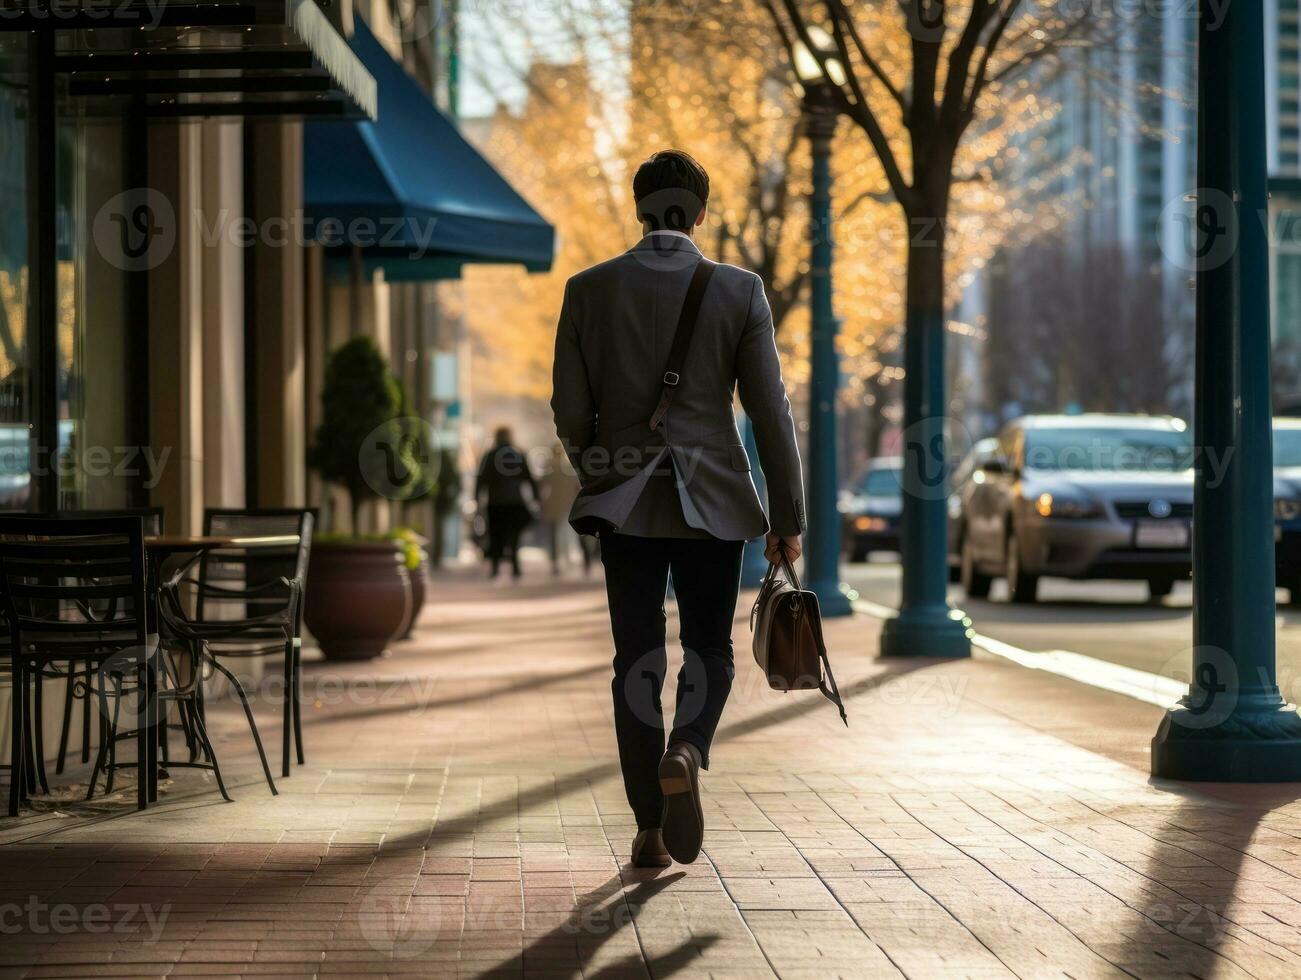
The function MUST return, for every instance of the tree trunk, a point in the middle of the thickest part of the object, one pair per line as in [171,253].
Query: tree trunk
[924,545]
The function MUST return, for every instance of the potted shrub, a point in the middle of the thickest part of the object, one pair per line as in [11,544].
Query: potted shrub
[416,559]
[358,586]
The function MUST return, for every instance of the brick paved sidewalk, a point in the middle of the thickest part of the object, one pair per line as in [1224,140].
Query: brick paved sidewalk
[462,814]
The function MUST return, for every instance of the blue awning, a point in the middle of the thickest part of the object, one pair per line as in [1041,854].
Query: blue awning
[409,189]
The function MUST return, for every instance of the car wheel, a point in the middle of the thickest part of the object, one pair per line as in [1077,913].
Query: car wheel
[1159,588]
[1021,586]
[974,582]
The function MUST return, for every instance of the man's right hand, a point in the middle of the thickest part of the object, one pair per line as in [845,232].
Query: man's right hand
[776,547]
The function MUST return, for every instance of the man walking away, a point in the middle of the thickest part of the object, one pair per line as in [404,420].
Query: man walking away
[503,474]
[648,424]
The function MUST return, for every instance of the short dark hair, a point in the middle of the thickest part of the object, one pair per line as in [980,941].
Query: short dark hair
[670,189]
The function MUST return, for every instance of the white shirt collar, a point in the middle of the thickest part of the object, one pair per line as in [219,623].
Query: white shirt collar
[667,231]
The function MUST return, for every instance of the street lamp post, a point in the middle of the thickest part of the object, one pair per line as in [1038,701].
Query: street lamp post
[926,626]
[822,548]
[1233,725]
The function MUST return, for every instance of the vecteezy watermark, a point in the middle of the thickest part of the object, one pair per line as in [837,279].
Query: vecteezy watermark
[137,230]
[391,926]
[400,459]
[120,691]
[145,15]
[932,449]
[402,926]
[1213,685]
[626,460]
[666,215]
[1205,226]
[643,683]
[38,918]
[1202,924]
[117,462]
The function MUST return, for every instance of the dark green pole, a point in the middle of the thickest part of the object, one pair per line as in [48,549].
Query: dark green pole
[1233,725]
[926,625]
[822,545]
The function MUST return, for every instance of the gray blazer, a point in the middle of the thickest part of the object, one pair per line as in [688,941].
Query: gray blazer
[612,343]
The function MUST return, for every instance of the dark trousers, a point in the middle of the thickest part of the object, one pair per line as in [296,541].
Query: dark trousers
[505,525]
[706,575]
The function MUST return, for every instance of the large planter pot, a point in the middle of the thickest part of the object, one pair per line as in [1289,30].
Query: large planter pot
[419,580]
[358,597]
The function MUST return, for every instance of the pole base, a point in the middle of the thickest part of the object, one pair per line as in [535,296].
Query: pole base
[831,601]
[1251,745]
[932,631]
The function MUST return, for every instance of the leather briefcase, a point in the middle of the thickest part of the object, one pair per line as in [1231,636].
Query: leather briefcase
[788,645]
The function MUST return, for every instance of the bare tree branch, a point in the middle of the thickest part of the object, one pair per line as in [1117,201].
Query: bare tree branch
[1009,10]
[953,108]
[842,20]
[860,111]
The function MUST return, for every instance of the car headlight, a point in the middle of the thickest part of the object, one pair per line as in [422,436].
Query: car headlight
[1046,505]
[865,523]
[1286,509]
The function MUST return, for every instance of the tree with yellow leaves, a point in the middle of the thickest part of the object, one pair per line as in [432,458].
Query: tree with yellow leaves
[709,79]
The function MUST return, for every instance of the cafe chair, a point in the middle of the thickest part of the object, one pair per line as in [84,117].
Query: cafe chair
[183,687]
[79,685]
[248,602]
[75,593]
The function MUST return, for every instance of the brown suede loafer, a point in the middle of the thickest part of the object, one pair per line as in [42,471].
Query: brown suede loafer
[684,818]
[648,850]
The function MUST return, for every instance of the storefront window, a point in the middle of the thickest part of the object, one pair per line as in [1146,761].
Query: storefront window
[97,458]
[91,373]
[14,403]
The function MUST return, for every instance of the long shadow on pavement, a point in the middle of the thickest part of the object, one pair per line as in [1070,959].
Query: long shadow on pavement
[526,682]
[600,915]
[570,782]
[1199,867]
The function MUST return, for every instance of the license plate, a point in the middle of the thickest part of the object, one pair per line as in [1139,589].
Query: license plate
[1161,534]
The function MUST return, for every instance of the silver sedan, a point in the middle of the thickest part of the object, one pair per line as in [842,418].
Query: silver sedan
[1080,497]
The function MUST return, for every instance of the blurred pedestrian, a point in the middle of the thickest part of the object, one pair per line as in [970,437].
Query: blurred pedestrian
[559,488]
[503,475]
[646,418]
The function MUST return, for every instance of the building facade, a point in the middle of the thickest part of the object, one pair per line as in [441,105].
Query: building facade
[1108,173]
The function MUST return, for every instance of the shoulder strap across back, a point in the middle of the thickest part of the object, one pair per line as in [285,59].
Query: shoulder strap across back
[682,338]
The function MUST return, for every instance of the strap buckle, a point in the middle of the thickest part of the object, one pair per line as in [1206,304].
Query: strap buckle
[671,379]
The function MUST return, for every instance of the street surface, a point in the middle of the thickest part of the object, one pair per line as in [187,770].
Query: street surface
[461,814]
[1112,621]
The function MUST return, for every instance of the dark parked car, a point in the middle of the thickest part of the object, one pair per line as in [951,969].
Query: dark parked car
[1287,506]
[961,484]
[871,510]
[1081,497]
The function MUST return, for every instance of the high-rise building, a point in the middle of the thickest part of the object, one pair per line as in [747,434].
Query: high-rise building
[1114,158]
[1283,115]
[1283,86]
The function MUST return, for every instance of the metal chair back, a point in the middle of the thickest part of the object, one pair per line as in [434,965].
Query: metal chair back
[254,568]
[74,582]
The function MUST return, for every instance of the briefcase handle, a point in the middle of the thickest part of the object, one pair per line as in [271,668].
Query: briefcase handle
[786,564]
